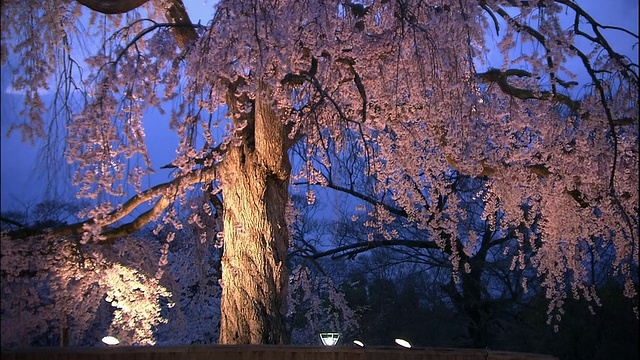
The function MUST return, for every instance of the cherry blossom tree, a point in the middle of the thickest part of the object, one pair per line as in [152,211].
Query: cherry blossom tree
[407,86]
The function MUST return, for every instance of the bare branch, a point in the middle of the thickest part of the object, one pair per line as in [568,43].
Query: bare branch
[483,5]
[599,38]
[366,198]
[352,250]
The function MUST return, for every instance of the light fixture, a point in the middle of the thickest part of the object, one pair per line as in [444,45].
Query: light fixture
[403,343]
[329,338]
[359,343]
[110,340]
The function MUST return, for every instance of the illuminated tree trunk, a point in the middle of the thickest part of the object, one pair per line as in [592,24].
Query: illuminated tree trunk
[254,275]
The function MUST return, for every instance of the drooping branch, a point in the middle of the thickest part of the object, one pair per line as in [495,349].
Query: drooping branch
[612,123]
[483,5]
[173,26]
[501,78]
[626,68]
[628,71]
[310,77]
[520,27]
[184,33]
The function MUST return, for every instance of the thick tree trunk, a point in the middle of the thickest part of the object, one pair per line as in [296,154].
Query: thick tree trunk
[254,274]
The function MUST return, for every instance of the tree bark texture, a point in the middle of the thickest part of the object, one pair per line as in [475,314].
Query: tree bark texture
[254,274]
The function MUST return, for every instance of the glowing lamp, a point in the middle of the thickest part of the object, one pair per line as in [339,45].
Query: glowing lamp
[110,340]
[404,343]
[329,338]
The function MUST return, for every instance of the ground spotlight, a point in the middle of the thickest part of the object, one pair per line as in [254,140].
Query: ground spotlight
[404,343]
[329,338]
[110,340]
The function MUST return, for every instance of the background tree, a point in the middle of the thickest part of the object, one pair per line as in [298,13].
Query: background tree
[404,85]
[492,300]
[479,287]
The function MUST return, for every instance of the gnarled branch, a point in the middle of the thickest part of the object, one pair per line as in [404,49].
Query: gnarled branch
[177,14]
[183,29]
[165,192]
[501,78]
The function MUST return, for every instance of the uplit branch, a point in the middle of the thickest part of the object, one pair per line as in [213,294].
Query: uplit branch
[165,194]
[176,14]
[501,78]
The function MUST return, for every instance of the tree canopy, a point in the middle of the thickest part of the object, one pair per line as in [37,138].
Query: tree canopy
[388,101]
